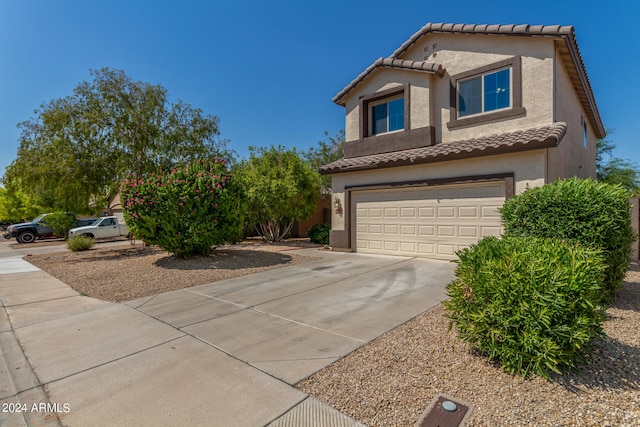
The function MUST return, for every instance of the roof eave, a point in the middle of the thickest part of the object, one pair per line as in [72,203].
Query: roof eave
[429,68]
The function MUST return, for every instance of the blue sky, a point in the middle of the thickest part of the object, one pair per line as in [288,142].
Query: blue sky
[270,69]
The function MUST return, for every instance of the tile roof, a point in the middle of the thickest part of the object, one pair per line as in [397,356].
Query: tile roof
[401,64]
[500,29]
[565,42]
[530,139]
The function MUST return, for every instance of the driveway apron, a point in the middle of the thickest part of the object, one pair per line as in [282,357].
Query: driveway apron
[225,353]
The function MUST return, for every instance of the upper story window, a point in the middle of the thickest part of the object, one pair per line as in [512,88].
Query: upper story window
[492,92]
[387,116]
[384,112]
[487,92]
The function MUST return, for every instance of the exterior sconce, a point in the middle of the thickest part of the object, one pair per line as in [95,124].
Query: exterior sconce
[337,205]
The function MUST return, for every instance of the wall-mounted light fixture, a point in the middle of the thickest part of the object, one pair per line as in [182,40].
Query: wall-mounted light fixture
[337,205]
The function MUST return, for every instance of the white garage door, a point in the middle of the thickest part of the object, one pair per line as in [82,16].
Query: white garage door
[432,222]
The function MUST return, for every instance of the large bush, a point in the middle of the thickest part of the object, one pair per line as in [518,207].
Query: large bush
[582,210]
[281,188]
[188,211]
[530,303]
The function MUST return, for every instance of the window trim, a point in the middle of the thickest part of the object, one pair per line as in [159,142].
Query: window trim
[368,101]
[516,109]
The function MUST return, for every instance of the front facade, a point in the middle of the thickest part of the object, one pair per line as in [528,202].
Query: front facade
[456,120]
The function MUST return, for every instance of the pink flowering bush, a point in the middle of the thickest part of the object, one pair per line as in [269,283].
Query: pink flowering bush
[187,211]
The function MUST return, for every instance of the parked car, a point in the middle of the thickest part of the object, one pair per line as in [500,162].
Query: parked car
[29,232]
[103,228]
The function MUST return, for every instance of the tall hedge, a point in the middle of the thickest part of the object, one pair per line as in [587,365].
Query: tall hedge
[531,304]
[594,214]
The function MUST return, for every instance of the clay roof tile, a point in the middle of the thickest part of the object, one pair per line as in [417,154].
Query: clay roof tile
[530,139]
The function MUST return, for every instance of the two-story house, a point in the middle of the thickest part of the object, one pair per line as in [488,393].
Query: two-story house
[456,120]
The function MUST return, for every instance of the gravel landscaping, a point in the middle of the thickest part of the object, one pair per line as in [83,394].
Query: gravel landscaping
[129,272]
[391,380]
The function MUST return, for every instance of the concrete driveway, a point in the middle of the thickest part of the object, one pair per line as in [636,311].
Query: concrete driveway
[226,353]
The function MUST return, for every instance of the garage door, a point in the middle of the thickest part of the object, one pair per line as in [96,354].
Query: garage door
[432,222]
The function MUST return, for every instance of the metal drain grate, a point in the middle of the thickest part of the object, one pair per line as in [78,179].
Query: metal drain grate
[444,411]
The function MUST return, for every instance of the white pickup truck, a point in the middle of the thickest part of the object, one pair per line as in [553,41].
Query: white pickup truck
[103,228]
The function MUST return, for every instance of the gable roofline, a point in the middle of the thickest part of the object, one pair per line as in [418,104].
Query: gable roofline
[569,54]
[398,64]
[566,45]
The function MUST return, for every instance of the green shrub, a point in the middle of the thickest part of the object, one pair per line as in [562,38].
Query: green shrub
[281,188]
[582,210]
[319,233]
[187,211]
[61,223]
[531,304]
[80,243]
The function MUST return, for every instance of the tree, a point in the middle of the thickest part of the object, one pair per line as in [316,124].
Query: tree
[280,187]
[188,211]
[614,170]
[77,150]
[17,206]
[327,151]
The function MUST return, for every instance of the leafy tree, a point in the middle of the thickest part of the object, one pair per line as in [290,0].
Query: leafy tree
[281,188]
[614,170]
[77,150]
[188,211]
[327,151]
[17,206]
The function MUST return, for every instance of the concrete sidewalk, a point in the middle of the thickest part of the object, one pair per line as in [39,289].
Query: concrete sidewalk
[226,353]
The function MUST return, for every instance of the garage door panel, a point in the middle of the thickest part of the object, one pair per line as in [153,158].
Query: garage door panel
[375,244]
[408,247]
[427,231]
[374,213]
[391,213]
[446,250]
[391,229]
[446,230]
[391,245]
[408,230]
[446,212]
[430,222]
[427,212]
[426,249]
[490,211]
[375,229]
[468,232]
[468,212]
[408,212]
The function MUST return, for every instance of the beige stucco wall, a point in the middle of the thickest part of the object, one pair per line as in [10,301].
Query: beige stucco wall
[528,169]
[461,53]
[383,79]
[430,95]
[571,157]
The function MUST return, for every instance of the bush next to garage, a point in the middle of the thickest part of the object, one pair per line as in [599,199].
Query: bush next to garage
[319,233]
[531,304]
[594,214]
[186,211]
